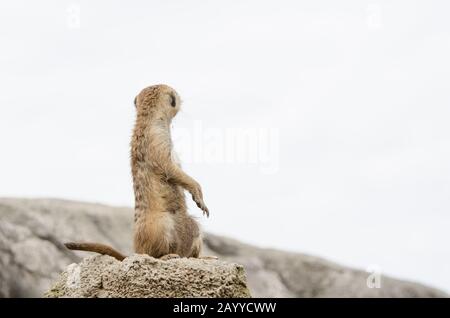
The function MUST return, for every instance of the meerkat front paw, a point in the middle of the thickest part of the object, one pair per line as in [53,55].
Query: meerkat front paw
[197,196]
[201,205]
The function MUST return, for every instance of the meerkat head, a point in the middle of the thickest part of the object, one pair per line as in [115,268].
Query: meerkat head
[159,101]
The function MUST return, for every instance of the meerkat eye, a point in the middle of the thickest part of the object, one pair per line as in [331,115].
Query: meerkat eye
[173,101]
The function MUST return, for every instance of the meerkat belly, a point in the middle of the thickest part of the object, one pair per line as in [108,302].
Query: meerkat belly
[185,229]
[167,220]
[172,199]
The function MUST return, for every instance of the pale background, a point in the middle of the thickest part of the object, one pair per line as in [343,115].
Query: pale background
[358,92]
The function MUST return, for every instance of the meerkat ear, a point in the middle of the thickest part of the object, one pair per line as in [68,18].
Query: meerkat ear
[135,101]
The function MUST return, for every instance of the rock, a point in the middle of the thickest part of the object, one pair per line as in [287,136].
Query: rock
[144,276]
[282,274]
[32,233]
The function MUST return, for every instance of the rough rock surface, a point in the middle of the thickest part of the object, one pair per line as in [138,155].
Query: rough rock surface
[145,276]
[32,254]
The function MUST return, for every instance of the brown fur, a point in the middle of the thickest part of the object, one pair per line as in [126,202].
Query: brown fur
[162,224]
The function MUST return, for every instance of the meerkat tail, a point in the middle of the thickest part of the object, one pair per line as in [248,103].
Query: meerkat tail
[96,248]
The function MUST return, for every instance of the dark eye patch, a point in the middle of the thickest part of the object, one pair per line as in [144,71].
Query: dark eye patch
[135,101]
[173,101]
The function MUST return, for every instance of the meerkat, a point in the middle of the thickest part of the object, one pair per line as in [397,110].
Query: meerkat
[162,226]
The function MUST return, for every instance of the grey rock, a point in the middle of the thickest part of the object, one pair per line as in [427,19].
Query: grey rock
[140,276]
[32,255]
[273,273]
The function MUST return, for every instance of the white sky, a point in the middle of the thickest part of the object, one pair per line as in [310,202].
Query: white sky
[356,91]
